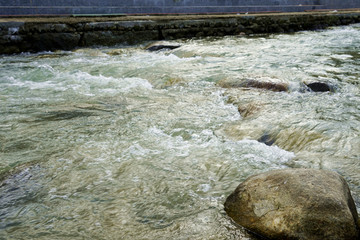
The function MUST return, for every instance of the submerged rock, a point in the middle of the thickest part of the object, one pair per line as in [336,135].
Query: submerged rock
[267,139]
[247,110]
[159,47]
[295,204]
[272,86]
[320,87]
[252,83]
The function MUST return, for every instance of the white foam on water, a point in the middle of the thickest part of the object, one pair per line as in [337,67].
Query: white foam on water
[13,30]
[264,154]
[87,84]
[341,56]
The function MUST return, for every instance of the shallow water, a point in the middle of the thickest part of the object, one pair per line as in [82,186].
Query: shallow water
[122,143]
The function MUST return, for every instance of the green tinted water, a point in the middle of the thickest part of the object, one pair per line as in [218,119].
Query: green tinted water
[121,143]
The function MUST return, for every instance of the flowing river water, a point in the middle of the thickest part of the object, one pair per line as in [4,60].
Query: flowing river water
[123,143]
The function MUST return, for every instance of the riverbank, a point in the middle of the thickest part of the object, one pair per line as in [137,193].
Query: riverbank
[65,33]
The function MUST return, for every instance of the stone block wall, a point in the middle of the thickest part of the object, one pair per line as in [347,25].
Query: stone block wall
[63,33]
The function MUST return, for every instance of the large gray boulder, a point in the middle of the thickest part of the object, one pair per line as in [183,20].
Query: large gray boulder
[295,204]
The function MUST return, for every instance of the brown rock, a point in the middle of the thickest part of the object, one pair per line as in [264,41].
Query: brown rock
[252,83]
[295,204]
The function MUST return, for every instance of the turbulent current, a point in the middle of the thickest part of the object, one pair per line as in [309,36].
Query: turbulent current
[124,143]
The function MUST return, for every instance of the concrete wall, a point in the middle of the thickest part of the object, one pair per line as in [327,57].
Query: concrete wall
[69,7]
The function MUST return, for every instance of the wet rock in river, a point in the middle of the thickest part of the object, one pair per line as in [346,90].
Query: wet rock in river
[253,83]
[247,110]
[158,47]
[320,87]
[267,139]
[272,86]
[295,204]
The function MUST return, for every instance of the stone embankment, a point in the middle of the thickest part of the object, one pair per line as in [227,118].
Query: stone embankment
[65,33]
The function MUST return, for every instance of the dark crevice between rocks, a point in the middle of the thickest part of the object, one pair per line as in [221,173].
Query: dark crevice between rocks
[82,41]
[160,34]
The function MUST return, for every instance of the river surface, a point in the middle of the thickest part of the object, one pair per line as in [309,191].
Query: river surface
[123,143]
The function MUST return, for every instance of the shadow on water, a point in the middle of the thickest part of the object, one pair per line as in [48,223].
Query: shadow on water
[19,189]
[64,115]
